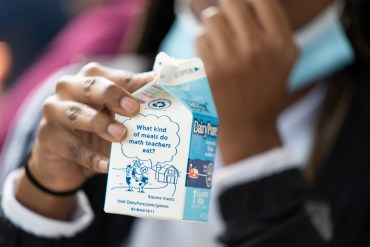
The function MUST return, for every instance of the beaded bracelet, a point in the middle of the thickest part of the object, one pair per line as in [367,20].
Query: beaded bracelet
[39,185]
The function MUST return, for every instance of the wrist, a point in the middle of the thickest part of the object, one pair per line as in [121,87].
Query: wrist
[46,227]
[42,187]
[36,200]
[238,144]
[34,196]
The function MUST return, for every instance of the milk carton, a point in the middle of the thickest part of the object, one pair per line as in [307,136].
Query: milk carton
[164,167]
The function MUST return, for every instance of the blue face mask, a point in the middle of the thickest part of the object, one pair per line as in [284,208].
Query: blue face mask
[180,40]
[324,49]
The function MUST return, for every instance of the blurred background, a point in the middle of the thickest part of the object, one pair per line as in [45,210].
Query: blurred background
[39,37]
[26,27]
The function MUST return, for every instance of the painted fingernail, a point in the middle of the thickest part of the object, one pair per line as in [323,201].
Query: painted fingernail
[103,166]
[130,105]
[116,131]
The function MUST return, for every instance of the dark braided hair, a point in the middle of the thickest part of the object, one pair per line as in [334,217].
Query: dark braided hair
[355,19]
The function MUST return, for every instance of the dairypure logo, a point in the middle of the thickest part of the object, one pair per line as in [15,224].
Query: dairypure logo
[205,129]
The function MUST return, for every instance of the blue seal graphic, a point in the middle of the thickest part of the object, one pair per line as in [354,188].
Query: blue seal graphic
[159,104]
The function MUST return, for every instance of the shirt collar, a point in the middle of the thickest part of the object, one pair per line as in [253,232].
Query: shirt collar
[296,124]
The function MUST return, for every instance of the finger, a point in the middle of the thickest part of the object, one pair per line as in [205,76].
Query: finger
[77,116]
[272,18]
[219,34]
[103,146]
[80,153]
[71,148]
[74,150]
[128,80]
[98,91]
[204,50]
[240,16]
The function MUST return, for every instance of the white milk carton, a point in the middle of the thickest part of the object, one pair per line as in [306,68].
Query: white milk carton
[164,167]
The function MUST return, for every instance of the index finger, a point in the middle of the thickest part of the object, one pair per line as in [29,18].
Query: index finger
[127,80]
[241,19]
[98,91]
[272,17]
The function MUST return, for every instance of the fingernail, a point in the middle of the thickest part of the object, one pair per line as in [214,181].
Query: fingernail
[116,131]
[130,105]
[103,166]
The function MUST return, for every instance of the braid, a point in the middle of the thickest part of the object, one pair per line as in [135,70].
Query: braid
[336,105]
[330,121]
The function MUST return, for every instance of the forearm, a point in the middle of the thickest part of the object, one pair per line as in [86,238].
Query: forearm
[236,145]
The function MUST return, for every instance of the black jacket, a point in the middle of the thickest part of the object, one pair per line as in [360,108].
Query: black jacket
[281,210]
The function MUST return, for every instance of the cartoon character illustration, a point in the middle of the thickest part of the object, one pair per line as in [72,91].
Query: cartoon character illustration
[135,176]
[193,172]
